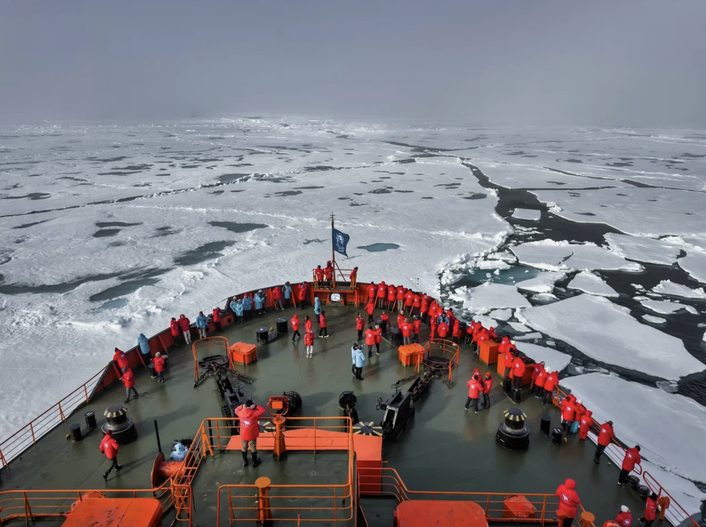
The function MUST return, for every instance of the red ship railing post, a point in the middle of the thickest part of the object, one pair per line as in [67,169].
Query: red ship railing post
[31,429]
[61,413]
[85,392]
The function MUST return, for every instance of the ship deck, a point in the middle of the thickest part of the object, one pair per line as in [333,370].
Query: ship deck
[443,448]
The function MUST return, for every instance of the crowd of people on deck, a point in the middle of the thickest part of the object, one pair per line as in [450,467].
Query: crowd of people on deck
[413,309]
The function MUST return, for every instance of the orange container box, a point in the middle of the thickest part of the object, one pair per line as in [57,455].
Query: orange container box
[501,364]
[242,353]
[410,354]
[488,351]
[518,507]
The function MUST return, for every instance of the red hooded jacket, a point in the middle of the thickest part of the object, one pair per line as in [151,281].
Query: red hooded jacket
[474,388]
[294,321]
[249,429]
[216,314]
[158,364]
[606,434]
[308,325]
[406,329]
[650,510]
[518,368]
[568,498]
[378,336]
[302,293]
[487,385]
[443,330]
[370,337]
[372,290]
[128,379]
[322,320]
[541,377]
[184,323]
[585,424]
[624,519]
[456,331]
[382,290]
[309,338]
[552,381]
[391,293]
[416,326]
[359,323]
[632,457]
[121,359]
[109,446]
[370,307]
[174,326]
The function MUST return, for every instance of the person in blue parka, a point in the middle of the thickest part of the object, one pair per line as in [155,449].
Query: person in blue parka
[247,306]
[144,344]
[287,292]
[317,306]
[260,302]
[201,323]
[238,309]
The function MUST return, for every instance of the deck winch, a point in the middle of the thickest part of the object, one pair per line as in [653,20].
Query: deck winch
[346,402]
[120,425]
[512,432]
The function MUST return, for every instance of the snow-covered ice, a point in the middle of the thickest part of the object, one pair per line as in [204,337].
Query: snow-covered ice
[694,263]
[667,307]
[501,314]
[519,328]
[527,214]
[643,249]
[669,288]
[542,283]
[607,332]
[590,283]
[555,256]
[552,359]
[674,418]
[654,320]
[488,296]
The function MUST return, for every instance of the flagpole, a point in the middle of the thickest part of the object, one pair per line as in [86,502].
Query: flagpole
[333,254]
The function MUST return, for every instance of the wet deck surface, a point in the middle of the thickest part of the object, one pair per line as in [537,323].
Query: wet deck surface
[443,448]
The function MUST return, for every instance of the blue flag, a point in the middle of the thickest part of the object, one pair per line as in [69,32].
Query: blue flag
[340,242]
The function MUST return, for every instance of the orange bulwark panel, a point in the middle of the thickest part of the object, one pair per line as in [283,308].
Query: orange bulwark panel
[242,353]
[299,439]
[423,513]
[488,350]
[368,454]
[518,507]
[115,512]
[501,364]
[411,354]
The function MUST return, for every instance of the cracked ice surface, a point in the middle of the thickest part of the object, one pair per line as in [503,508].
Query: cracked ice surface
[591,284]
[488,296]
[555,256]
[669,288]
[607,332]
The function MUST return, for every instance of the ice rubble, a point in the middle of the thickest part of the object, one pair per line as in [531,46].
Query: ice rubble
[552,359]
[590,283]
[669,288]
[489,296]
[555,256]
[673,418]
[643,249]
[607,332]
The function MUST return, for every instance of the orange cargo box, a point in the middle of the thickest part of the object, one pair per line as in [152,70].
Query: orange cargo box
[488,351]
[423,513]
[242,353]
[501,364]
[115,512]
[410,354]
[518,507]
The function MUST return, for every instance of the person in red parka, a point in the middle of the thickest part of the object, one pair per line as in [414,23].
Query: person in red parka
[518,370]
[370,309]
[128,379]
[632,458]
[650,511]
[391,297]
[277,298]
[328,274]
[359,326]
[407,330]
[217,317]
[384,322]
[309,343]
[492,334]
[176,331]
[323,331]
[568,501]
[408,302]
[294,322]
[158,362]
[549,384]
[624,517]
[354,277]
[400,320]
[604,437]
[424,307]
[433,325]
[487,385]
[372,292]
[475,388]
[456,331]
[249,415]
[535,373]
[400,298]
[185,326]
[308,324]
[121,359]
[109,448]
[585,424]
[539,379]
[303,293]
[378,339]
[568,413]
[416,328]
[382,294]
[416,304]
[319,273]
[443,330]
[370,337]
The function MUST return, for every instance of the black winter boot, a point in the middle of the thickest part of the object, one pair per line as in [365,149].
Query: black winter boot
[255,461]
[245,459]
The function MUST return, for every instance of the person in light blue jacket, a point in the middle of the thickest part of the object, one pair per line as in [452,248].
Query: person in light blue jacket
[260,302]
[354,352]
[247,306]
[287,293]
[237,307]
[201,323]
[144,344]
[317,306]
[359,361]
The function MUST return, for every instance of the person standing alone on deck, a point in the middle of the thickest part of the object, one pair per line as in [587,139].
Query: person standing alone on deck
[294,321]
[568,501]
[650,510]
[309,343]
[128,379]
[370,309]
[109,448]
[632,458]
[323,332]
[249,415]
[605,435]
[158,362]
[359,361]
[185,326]
[201,323]
[359,326]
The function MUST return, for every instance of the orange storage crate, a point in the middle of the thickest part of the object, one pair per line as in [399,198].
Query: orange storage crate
[488,351]
[518,507]
[501,364]
[410,354]
[242,353]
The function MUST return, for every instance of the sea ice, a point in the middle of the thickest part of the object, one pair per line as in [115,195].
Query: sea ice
[607,332]
[529,336]
[488,296]
[694,263]
[527,214]
[667,307]
[669,288]
[675,418]
[644,249]
[519,328]
[552,359]
[501,314]
[654,320]
[592,284]
[542,283]
[552,255]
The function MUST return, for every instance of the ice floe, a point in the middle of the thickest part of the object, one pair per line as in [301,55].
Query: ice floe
[667,307]
[654,320]
[487,297]
[542,283]
[694,263]
[607,333]
[552,359]
[669,288]
[553,255]
[501,314]
[643,249]
[527,214]
[590,283]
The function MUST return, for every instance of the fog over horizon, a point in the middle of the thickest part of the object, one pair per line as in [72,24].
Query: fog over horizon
[502,62]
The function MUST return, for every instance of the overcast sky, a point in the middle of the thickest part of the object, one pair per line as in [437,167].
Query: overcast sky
[617,62]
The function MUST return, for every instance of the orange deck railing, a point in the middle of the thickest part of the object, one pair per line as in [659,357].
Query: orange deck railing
[215,435]
[390,484]
[446,349]
[54,504]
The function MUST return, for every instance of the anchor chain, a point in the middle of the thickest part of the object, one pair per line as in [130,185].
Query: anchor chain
[242,377]
[396,385]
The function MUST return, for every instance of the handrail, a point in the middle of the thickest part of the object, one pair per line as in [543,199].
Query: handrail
[445,346]
[391,484]
[48,504]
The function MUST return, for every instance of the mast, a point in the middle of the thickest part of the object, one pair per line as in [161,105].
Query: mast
[333,255]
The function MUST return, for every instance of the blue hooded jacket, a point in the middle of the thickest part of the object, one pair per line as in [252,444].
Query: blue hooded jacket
[237,308]
[317,306]
[359,358]
[247,303]
[143,343]
[287,290]
[201,321]
[259,299]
